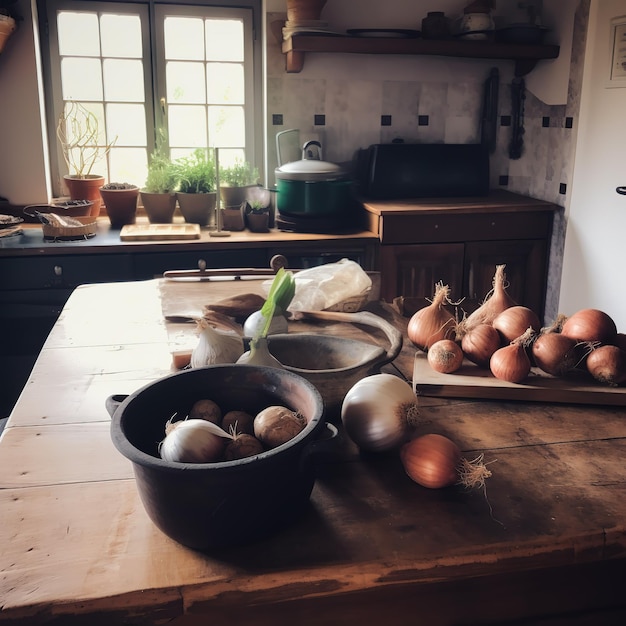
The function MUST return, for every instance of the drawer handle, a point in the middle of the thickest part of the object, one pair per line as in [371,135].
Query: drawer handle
[58,270]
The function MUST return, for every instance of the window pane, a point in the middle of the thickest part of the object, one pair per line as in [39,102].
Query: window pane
[127,122]
[185,82]
[187,126]
[78,34]
[227,126]
[225,83]
[224,40]
[128,165]
[81,79]
[83,130]
[229,157]
[121,36]
[184,38]
[123,80]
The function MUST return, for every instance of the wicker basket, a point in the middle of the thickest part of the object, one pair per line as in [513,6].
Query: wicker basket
[72,232]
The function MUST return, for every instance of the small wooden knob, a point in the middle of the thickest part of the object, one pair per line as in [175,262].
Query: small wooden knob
[278,261]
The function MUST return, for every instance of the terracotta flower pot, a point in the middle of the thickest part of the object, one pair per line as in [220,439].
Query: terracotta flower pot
[121,205]
[304,10]
[159,207]
[87,188]
[197,208]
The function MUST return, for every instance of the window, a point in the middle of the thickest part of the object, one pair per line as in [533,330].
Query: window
[188,73]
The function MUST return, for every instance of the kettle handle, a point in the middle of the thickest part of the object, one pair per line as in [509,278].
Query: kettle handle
[313,142]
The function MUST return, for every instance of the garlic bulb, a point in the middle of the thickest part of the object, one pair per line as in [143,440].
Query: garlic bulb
[255,323]
[215,346]
[259,354]
[193,441]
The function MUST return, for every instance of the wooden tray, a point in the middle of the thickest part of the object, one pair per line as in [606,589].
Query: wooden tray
[159,232]
[474,382]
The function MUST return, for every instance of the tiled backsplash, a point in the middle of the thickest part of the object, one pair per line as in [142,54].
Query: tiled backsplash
[446,110]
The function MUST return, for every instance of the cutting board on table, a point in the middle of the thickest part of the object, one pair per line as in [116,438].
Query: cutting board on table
[159,232]
[471,381]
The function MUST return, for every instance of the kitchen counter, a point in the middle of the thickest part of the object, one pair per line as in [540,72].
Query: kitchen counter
[545,541]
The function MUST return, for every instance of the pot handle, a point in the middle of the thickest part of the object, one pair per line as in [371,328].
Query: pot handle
[321,446]
[394,336]
[113,402]
[306,153]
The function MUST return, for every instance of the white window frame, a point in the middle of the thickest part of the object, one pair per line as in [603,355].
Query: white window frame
[154,76]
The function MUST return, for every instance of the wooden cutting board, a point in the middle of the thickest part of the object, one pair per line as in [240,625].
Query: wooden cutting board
[159,232]
[471,381]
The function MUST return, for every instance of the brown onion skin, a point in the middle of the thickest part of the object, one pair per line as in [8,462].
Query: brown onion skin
[431,461]
[479,343]
[590,325]
[514,321]
[555,353]
[510,363]
[445,356]
[607,364]
[432,323]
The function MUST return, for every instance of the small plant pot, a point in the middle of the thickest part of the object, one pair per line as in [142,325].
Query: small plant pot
[197,208]
[258,222]
[87,188]
[233,218]
[121,205]
[159,207]
[234,196]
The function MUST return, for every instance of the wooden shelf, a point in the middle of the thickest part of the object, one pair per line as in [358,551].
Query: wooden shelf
[525,56]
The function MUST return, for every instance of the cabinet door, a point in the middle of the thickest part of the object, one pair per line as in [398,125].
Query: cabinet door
[413,270]
[525,270]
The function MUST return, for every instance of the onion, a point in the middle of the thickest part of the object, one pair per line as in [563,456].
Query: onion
[511,363]
[434,461]
[607,364]
[514,321]
[555,353]
[433,322]
[238,422]
[378,411]
[242,446]
[479,343]
[193,441]
[276,425]
[206,409]
[590,325]
[445,356]
[496,301]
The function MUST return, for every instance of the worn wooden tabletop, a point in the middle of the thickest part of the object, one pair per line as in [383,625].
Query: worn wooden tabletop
[546,538]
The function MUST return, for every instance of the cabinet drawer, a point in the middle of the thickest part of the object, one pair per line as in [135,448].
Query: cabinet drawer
[152,265]
[466,227]
[63,272]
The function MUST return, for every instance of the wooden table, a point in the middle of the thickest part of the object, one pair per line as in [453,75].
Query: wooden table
[546,540]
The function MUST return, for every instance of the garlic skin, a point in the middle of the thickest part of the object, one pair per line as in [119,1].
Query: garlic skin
[193,441]
[215,346]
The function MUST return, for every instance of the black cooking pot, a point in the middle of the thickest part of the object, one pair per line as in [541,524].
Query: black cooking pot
[312,187]
[210,505]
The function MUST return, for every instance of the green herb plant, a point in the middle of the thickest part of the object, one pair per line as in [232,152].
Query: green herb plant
[196,173]
[240,174]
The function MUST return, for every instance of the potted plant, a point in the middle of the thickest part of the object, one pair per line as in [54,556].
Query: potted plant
[258,209]
[8,21]
[78,133]
[120,200]
[235,181]
[196,195]
[158,195]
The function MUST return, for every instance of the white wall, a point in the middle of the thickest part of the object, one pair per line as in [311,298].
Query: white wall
[23,149]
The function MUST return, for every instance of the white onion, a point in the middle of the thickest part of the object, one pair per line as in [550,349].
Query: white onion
[378,411]
[193,441]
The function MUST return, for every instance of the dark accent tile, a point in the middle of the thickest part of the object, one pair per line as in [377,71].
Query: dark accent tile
[319,120]
[385,120]
[569,122]
[545,122]
[505,120]
[422,120]
[277,119]
[503,181]
[562,189]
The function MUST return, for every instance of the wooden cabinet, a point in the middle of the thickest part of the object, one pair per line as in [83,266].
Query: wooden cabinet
[460,242]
